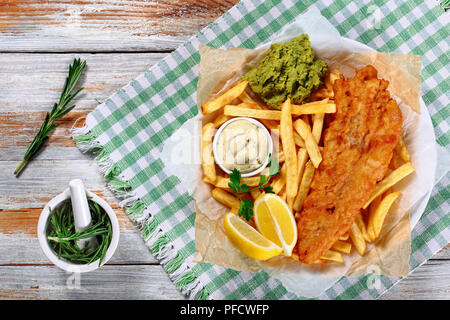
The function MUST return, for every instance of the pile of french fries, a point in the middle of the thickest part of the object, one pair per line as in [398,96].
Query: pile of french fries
[299,129]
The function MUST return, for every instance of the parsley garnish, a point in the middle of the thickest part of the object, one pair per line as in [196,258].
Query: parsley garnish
[246,208]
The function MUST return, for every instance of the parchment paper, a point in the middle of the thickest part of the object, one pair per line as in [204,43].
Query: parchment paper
[220,69]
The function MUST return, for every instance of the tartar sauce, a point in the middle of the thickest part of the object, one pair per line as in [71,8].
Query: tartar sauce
[242,145]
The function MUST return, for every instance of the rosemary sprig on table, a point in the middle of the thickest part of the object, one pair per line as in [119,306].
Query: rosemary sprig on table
[59,110]
[246,206]
[63,237]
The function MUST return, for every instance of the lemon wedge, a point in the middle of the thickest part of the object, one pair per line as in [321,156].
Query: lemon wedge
[248,240]
[275,221]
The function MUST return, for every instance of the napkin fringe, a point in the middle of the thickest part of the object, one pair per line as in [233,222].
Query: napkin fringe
[181,273]
[84,140]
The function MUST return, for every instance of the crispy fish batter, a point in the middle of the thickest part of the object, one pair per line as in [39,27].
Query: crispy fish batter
[358,146]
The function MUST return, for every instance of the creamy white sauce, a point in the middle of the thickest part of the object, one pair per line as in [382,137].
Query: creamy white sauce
[242,145]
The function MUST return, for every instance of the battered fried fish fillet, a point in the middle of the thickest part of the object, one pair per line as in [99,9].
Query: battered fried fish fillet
[358,146]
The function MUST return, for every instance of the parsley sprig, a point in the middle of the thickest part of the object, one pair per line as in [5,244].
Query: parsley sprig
[246,207]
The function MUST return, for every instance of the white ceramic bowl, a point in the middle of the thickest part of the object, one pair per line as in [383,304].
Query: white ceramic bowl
[255,122]
[50,253]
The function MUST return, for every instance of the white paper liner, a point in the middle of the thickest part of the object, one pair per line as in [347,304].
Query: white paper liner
[303,280]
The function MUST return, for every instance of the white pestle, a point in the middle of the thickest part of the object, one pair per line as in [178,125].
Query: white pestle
[81,211]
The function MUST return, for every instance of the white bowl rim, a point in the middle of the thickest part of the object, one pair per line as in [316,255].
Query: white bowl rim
[66,265]
[254,121]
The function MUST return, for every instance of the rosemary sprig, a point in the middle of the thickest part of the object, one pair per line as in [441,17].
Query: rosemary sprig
[63,237]
[59,110]
[246,206]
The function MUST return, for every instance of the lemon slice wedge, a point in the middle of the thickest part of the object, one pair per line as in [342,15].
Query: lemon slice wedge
[248,240]
[275,221]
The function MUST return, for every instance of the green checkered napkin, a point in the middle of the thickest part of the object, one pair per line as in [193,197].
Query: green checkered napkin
[127,132]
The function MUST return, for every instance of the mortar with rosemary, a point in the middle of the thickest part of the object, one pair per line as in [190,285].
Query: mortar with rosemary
[63,237]
[60,241]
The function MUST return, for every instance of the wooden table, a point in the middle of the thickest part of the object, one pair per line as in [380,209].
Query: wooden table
[119,40]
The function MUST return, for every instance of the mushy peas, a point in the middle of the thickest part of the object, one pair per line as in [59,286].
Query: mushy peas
[289,70]
[242,145]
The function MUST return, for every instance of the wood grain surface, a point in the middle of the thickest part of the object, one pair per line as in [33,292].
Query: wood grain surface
[119,40]
[107,25]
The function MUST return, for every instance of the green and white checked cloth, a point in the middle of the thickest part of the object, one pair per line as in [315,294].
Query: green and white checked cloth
[127,132]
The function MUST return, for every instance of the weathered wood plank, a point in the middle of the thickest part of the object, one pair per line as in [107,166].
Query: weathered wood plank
[443,254]
[34,83]
[18,248]
[43,180]
[107,25]
[19,243]
[110,282]
[430,281]
[22,201]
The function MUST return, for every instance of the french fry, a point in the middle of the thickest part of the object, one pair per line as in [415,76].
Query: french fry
[280,181]
[220,120]
[330,79]
[281,157]
[245,97]
[270,124]
[317,126]
[304,186]
[362,227]
[299,140]
[327,83]
[236,111]
[357,239]
[344,237]
[322,94]
[290,202]
[332,256]
[208,166]
[302,158]
[373,206]
[222,182]
[396,161]
[225,198]
[245,111]
[319,261]
[248,105]
[402,150]
[376,219]
[282,194]
[225,98]
[255,194]
[342,246]
[287,140]
[305,119]
[313,104]
[310,142]
[391,179]
[313,108]
[334,76]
